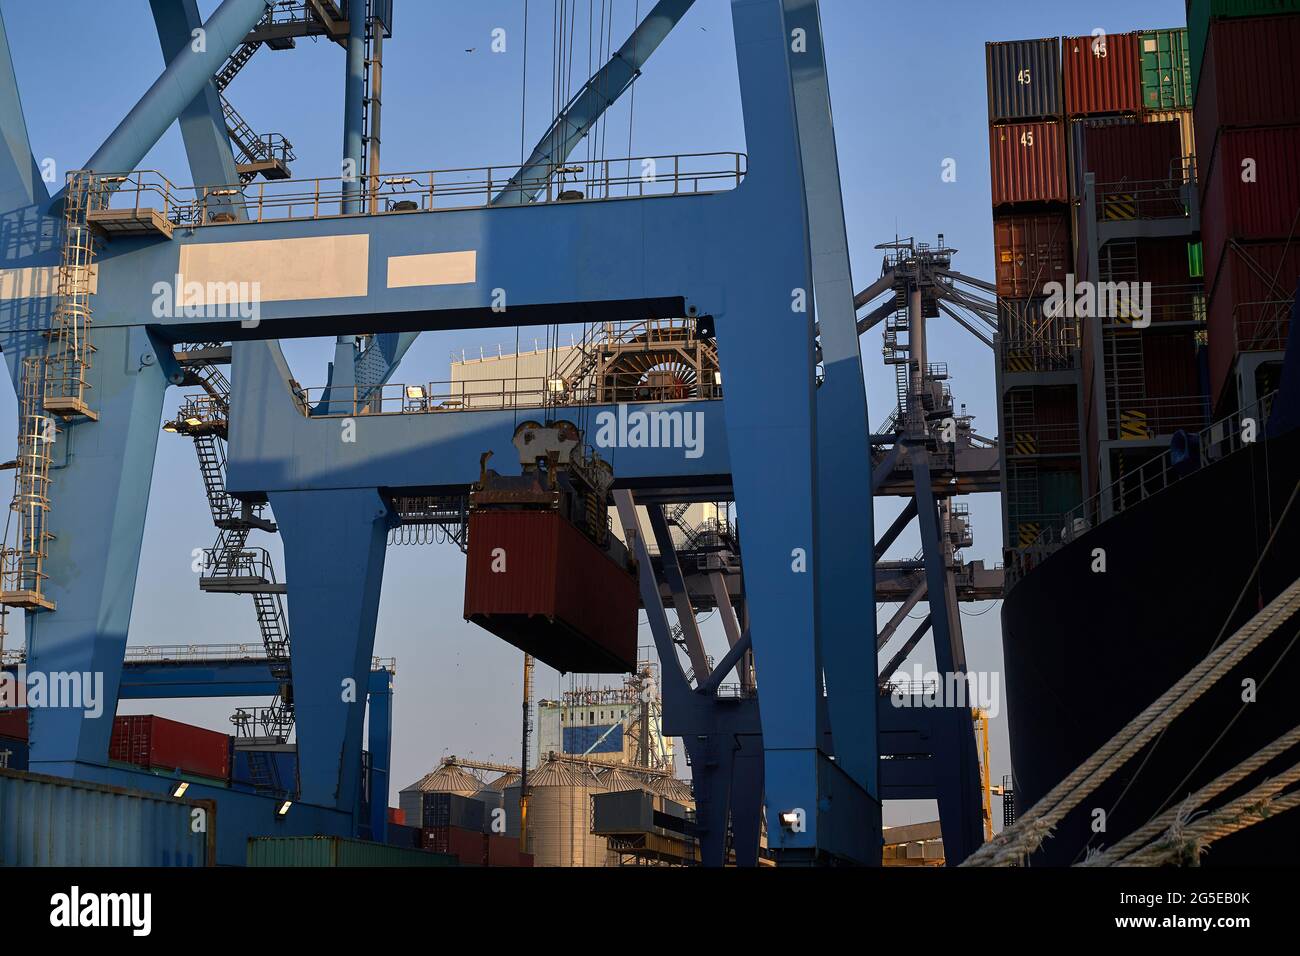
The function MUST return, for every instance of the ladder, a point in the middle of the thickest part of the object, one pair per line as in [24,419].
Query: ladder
[52,386]
[22,574]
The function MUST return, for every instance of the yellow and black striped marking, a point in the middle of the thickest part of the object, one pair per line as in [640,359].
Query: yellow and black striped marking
[1133,426]
[1026,443]
[1027,533]
[1115,206]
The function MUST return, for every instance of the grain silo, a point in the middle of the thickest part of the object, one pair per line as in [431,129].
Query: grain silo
[559,814]
[449,778]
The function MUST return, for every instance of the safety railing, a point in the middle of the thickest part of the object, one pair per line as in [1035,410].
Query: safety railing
[1212,443]
[497,393]
[1148,198]
[1167,305]
[425,191]
[1145,418]
[1033,440]
[1261,326]
[254,563]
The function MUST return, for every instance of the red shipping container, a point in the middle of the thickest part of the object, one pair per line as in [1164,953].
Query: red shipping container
[397,816]
[13,723]
[1031,251]
[162,744]
[1249,305]
[1102,74]
[468,846]
[1133,153]
[1169,364]
[1249,77]
[503,850]
[1027,163]
[1267,206]
[559,597]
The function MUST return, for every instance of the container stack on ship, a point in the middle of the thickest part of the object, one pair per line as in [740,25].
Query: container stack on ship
[1184,173]
[1038,355]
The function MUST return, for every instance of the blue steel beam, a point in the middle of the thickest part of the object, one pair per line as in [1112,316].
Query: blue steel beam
[173,91]
[844,562]
[596,96]
[21,185]
[274,447]
[354,91]
[744,253]
[203,126]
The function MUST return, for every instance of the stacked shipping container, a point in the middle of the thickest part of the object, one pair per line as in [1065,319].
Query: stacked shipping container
[1031,235]
[1116,106]
[1247,108]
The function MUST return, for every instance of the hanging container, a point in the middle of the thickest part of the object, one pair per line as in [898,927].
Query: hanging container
[1027,163]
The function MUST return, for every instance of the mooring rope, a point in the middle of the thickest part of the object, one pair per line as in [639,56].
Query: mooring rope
[1027,834]
[1163,823]
[1185,842]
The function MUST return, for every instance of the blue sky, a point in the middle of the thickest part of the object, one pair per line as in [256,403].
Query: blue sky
[907,84]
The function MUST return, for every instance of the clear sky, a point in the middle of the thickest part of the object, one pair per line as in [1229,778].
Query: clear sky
[908,87]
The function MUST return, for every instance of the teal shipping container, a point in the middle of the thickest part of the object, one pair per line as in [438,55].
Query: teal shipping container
[51,821]
[337,851]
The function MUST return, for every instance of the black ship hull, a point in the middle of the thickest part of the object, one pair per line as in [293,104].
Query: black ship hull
[1086,652]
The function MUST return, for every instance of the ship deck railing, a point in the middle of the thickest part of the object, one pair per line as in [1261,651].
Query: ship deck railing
[1196,450]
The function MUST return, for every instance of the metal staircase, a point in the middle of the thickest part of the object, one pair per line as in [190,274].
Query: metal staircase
[268,155]
[230,566]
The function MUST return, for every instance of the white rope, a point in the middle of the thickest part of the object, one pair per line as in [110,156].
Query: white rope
[1025,836]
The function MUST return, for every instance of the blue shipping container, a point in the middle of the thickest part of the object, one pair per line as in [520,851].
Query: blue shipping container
[51,821]
[581,740]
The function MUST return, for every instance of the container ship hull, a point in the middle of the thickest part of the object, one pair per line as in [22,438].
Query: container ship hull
[1087,651]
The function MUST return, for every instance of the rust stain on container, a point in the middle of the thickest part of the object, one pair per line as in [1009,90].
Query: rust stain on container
[1102,74]
[559,597]
[1027,163]
[1031,250]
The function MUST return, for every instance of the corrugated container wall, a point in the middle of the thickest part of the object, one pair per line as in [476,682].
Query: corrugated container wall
[1166,70]
[1251,78]
[568,604]
[1259,201]
[1201,12]
[1102,74]
[1186,137]
[1024,79]
[1250,304]
[1030,251]
[51,821]
[161,744]
[1132,152]
[314,851]
[1027,163]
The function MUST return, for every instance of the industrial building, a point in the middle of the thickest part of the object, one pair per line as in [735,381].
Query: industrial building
[666,484]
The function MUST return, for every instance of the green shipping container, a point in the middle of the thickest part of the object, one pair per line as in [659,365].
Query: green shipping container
[1166,70]
[337,851]
[1201,12]
[1060,491]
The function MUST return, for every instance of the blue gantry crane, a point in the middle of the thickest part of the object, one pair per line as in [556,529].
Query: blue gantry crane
[749,249]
